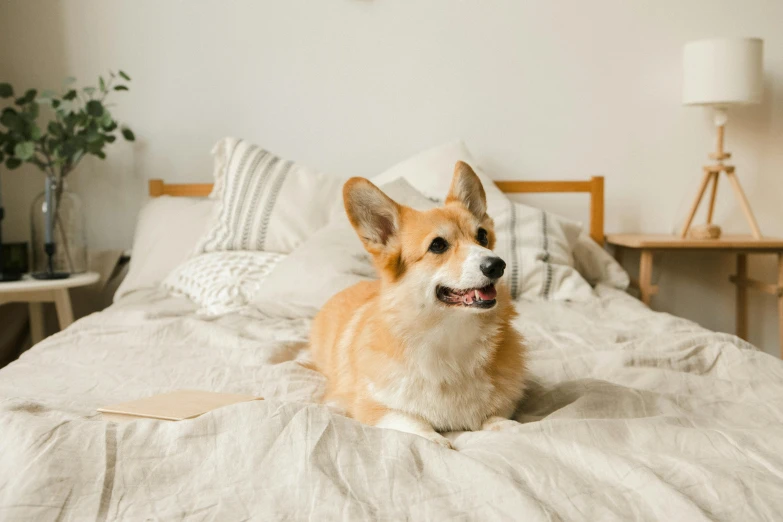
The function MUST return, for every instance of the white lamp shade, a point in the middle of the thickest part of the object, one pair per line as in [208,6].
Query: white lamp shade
[722,72]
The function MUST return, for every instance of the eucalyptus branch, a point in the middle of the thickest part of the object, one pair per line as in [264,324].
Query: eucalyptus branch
[74,162]
[49,170]
[82,125]
[108,88]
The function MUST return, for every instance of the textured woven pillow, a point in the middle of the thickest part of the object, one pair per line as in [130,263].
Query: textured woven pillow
[222,282]
[264,202]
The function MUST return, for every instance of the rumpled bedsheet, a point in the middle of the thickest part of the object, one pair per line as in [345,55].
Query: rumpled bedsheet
[631,415]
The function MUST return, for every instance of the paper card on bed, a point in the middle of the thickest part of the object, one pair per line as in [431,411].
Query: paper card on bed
[174,406]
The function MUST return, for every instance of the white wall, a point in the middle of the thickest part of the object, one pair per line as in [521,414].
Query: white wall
[539,89]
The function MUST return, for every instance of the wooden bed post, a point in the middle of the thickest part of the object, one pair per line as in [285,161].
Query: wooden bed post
[156,188]
[597,209]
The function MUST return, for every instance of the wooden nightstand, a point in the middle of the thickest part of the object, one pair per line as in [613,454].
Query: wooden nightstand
[742,246]
[35,292]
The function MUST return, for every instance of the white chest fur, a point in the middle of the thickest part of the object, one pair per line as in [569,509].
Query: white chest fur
[443,378]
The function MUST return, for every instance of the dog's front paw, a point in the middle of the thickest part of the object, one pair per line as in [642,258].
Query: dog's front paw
[437,438]
[495,423]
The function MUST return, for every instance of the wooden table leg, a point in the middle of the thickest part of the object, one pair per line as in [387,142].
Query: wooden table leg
[36,322]
[742,296]
[780,301]
[62,302]
[645,276]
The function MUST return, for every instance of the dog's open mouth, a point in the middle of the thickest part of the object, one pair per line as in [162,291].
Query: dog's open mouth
[473,297]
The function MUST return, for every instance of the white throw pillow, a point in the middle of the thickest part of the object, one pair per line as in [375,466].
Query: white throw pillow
[327,263]
[222,282]
[167,231]
[265,203]
[537,246]
[597,266]
[430,172]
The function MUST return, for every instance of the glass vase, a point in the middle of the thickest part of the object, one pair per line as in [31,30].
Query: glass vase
[67,234]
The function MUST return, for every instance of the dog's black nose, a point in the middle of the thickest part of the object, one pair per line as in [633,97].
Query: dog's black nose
[492,267]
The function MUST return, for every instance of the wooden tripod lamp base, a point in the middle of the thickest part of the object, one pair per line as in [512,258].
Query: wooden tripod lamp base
[712,175]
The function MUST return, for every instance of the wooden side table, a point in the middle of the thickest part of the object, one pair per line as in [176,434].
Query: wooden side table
[35,292]
[741,246]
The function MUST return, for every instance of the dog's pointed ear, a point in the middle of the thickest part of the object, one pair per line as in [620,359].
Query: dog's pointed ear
[466,189]
[374,216]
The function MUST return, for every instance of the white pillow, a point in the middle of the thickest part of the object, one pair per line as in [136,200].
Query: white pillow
[265,203]
[537,246]
[327,263]
[222,282]
[597,266]
[167,231]
[430,172]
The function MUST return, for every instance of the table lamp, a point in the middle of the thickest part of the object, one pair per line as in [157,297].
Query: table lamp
[721,73]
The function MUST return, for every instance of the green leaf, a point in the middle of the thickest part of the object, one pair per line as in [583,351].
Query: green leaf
[101,84]
[121,88]
[25,150]
[6,91]
[70,95]
[128,134]
[12,163]
[89,91]
[109,138]
[68,81]
[35,132]
[94,108]
[110,127]
[33,110]
[125,76]
[10,118]
[28,97]
[105,120]
[47,94]
[54,128]
[56,103]
[94,147]
[93,136]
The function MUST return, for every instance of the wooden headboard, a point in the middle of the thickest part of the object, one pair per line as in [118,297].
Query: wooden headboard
[594,186]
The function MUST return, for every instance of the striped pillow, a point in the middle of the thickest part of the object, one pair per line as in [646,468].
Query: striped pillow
[264,202]
[538,248]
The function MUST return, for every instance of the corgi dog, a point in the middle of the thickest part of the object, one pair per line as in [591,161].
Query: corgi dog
[429,347]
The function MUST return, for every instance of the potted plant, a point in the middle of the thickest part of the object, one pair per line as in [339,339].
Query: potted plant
[80,124]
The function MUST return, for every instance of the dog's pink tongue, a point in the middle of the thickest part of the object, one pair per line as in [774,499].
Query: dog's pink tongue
[488,293]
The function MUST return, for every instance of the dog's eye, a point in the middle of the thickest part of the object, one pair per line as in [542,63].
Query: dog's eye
[438,245]
[481,237]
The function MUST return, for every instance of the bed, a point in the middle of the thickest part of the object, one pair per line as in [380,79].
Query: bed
[631,415]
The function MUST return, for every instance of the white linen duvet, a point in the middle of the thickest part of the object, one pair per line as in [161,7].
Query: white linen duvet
[631,415]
